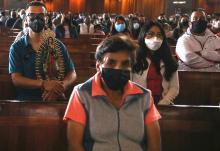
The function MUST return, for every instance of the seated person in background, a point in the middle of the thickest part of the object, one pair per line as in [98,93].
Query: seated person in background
[155,67]
[162,18]
[134,27]
[11,20]
[87,27]
[56,20]
[183,24]
[19,22]
[142,19]
[198,47]
[119,26]
[216,24]
[3,18]
[106,23]
[66,29]
[168,30]
[109,99]
[98,30]
[173,19]
[24,31]
[39,64]
[169,33]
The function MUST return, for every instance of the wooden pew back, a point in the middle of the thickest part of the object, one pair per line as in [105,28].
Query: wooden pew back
[39,126]
[32,127]
[190,128]
[198,88]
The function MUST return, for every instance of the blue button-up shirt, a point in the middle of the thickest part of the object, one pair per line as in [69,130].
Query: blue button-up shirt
[22,60]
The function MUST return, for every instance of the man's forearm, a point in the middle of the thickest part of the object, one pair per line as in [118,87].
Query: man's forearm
[21,81]
[69,79]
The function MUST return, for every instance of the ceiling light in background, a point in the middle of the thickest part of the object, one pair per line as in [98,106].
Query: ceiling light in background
[179,2]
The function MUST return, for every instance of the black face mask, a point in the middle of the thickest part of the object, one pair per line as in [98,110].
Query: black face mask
[115,79]
[199,26]
[37,24]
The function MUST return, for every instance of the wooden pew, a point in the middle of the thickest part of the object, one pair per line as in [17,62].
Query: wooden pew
[32,126]
[199,88]
[7,89]
[85,43]
[39,126]
[5,31]
[4,57]
[190,128]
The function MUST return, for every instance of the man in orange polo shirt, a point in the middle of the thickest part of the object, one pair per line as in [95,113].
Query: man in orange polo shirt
[109,112]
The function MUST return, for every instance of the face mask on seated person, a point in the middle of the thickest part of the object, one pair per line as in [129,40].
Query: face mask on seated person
[22,16]
[120,27]
[115,79]
[136,26]
[199,26]
[37,24]
[216,24]
[153,43]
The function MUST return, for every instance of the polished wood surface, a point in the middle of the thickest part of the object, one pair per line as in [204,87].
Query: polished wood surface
[34,126]
[28,126]
[190,128]
[198,88]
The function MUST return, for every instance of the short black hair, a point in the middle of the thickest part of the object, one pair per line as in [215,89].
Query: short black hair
[115,44]
[36,3]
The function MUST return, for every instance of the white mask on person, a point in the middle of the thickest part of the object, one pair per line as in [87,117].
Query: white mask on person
[22,16]
[136,26]
[216,24]
[153,43]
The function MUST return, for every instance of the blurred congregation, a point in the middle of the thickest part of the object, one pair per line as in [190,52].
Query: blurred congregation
[53,51]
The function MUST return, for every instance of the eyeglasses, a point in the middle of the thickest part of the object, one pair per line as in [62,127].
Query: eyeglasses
[34,15]
[152,34]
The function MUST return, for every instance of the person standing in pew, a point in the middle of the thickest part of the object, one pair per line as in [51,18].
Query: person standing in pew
[109,112]
[198,47]
[39,64]
[155,68]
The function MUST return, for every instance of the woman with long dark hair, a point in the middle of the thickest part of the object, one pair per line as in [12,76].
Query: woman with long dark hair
[119,26]
[155,67]
[134,27]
